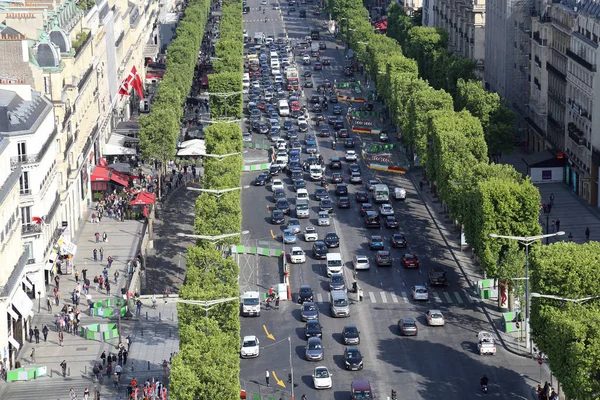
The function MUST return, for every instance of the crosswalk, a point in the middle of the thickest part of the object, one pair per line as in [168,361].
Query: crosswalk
[262,20]
[384,297]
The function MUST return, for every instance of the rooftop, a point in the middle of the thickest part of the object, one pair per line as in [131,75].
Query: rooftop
[20,116]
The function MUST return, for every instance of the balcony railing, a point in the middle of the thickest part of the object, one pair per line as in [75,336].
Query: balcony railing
[28,159]
[31,229]
[25,192]
[581,61]
[556,71]
[85,77]
[68,143]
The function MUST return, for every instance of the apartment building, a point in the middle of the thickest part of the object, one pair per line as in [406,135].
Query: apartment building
[410,6]
[465,21]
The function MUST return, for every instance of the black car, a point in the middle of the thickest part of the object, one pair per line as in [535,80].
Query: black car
[322,46]
[283,205]
[366,207]
[326,205]
[337,110]
[262,179]
[321,193]
[274,170]
[341,189]
[305,294]
[333,99]
[278,194]
[344,202]
[399,240]
[316,108]
[362,197]
[319,250]
[324,132]
[313,329]
[307,74]
[292,135]
[287,125]
[336,177]
[335,163]
[309,84]
[349,143]
[353,167]
[353,359]
[338,124]
[343,133]
[351,334]
[299,184]
[326,61]
[437,277]
[332,240]
[277,217]
[315,99]
[391,222]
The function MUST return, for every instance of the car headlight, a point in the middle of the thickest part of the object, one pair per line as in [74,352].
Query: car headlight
[347,363]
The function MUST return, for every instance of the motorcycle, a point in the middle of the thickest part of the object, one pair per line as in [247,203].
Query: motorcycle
[318,122]
[333,145]
[484,388]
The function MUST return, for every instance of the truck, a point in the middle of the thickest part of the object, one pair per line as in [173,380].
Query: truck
[251,304]
[291,77]
[259,38]
[381,193]
[314,49]
[314,34]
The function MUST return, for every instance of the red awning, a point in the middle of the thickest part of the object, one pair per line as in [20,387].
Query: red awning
[104,174]
[103,162]
[142,199]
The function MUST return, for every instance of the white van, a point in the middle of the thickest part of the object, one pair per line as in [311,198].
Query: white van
[246,82]
[274,64]
[334,263]
[302,194]
[284,108]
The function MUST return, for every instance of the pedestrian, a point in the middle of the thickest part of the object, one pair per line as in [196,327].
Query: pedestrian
[125,354]
[103,357]
[72,394]
[118,370]
[32,356]
[97,283]
[552,199]
[271,292]
[84,273]
[97,236]
[95,252]
[138,305]
[30,335]
[104,237]
[86,394]
[105,273]
[76,276]
[116,275]
[45,331]
[61,337]
[268,303]
[570,236]
[57,281]
[101,253]
[107,286]
[277,303]
[120,357]
[116,380]
[267,376]
[49,305]
[553,226]
[109,261]
[557,225]
[128,341]
[36,333]
[587,234]
[549,208]
[63,365]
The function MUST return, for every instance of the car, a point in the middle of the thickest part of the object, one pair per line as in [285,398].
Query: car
[283,205]
[274,170]
[360,262]
[321,193]
[338,125]
[383,137]
[331,119]
[278,194]
[336,282]
[344,202]
[326,205]
[324,132]
[410,260]
[313,329]
[307,73]
[353,360]
[420,292]
[355,177]
[321,378]
[349,143]
[341,189]
[383,257]
[332,240]
[294,225]
[337,110]
[332,99]
[262,179]
[323,218]
[351,155]
[299,184]
[315,99]
[305,294]
[316,108]
[335,163]
[314,349]
[297,256]
[350,334]
[386,209]
[398,240]
[247,137]
[337,177]
[391,222]
[370,183]
[302,126]
[318,66]
[310,234]
[362,197]
[309,84]
[437,277]
[376,242]
[485,343]
[309,311]
[295,105]
[435,318]
[277,217]
[320,250]
[364,207]
[408,327]
[250,347]
[354,167]
[326,61]
[322,46]
[287,125]
[277,184]
[288,236]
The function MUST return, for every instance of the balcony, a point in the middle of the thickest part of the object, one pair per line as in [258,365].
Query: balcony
[555,71]
[25,192]
[31,229]
[537,61]
[68,113]
[68,144]
[120,39]
[29,159]
[581,61]
[539,40]
[85,78]
[81,42]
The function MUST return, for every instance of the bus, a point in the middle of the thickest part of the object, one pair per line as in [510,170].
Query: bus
[291,76]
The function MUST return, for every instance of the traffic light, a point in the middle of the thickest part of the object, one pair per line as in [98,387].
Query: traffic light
[394,395]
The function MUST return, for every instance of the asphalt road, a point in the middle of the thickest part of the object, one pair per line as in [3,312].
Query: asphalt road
[439,363]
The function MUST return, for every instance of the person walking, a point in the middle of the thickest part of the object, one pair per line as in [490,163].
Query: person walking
[118,371]
[76,276]
[84,273]
[32,356]
[587,234]
[101,254]
[49,305]
[72,394]
[557,225]
[570,236]
[138,305]
[109,261]
[125,355]
[63,366]
[45,331]
[95,252]
[36,333]
[116,276]
[61,337]
[553,226]
[104,237]
[107,286]
[103,357]
[116,380]
[57,281]
[267,376]
[30,335]
[97,236]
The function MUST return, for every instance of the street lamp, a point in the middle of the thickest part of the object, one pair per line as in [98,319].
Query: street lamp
[291,377]
[217,192]
[527,241]
[220,157]
[553,297]
[212,239]
[207,304]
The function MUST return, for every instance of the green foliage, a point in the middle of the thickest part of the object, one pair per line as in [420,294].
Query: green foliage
[158,130]
[567,332]
[226,104]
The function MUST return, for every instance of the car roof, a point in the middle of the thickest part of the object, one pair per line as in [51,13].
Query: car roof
[305,287]
[350,326]
[361,257]
[361,384]
[434,311]
[314,339]
[409,319]
[296,248]
[249,337]
[420,287]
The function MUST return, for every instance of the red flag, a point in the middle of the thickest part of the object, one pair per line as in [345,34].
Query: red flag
[134,81]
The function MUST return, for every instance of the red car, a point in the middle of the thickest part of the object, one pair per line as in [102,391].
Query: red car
[262,104]
[295,106]
[410,260]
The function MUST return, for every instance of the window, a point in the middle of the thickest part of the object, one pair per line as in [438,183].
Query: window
[47,85]
[24,183]
[25,215]
[21,150]
[28,249]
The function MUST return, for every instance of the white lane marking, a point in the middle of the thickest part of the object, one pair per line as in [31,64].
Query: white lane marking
[458,298]
[319,298]
[435,297]
[383,298]
[468,297]
[404,297]
[372,297]
[447,296]
[394,298]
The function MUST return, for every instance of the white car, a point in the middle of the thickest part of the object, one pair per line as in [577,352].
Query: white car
[386,209]
[435,318]
[311,234]
[323,219]
[264,2]
[485,343]
[400,193]
[275,6]
[275,71]
[285,61]
[351,155]
[361,262]
[420,292]
[302,194]
[277,184]
[301,120]
[250,347]
[306,58]
[297,256]
[321,378]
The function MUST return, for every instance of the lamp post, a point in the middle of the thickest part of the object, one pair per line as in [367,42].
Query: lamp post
[212,239]
[527,241]
[207,304]
[218,192]
[553,297]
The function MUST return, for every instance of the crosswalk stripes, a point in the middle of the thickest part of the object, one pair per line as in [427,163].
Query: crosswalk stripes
[383,298]
[404,296]
[447,296]
[435,297]
[394,298]
[458,298]
[372,296]
[319,298]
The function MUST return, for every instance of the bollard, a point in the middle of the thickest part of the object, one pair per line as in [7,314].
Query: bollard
[172,317]
[148,365]
[159,316]
[85,371]
[50,372]
[69,371]
[142,332]
[170,332]
[146,315]
[35,374]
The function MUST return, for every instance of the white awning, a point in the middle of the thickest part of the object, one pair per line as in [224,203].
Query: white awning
[15,344]
[118,145]
[13,314]
[27,283]
[22,303]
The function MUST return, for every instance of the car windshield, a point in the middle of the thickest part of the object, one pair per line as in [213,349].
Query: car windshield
[409,324]
[421,290]
[384,255]
[351,330]
[337,279]
[313,325]
[250,343]
[253,301]
[297,252]
[410,257]
[306,291]
[376,238]
[340,302]
[310,307]
[314,346]
[322,373]
[331,236]
[353,354]
[436,315]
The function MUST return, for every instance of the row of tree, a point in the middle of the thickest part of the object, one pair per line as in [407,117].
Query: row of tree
[454,125]
[207,366]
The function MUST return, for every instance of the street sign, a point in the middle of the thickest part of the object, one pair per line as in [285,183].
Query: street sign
[540,361]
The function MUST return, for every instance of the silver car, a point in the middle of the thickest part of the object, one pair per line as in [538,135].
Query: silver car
[294,225]
[314,349]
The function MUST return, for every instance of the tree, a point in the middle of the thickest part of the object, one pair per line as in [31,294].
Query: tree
[398,24]
[228,103]
[425,45]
